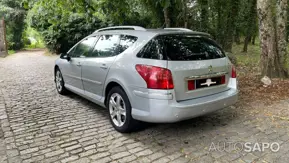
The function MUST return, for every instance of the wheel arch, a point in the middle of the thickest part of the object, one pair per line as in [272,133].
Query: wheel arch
[56,67]
[112,84]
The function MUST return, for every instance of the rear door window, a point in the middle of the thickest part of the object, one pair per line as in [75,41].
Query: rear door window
[84,47]
[106,46]
[181,48]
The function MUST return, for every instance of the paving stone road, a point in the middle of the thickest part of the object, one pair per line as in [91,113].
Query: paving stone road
[38,125]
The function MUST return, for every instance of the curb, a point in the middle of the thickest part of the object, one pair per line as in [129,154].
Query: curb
[8,136]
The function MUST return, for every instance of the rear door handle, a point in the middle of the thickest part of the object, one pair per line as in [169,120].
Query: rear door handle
[103,66]
[78,64]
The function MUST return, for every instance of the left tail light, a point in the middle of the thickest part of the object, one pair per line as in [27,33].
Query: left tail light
[156,77]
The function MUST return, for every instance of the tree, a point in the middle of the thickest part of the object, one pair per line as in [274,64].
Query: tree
[221,20]
[61,23]
[185,13]
[273,37]
[251,21]
[14,15]
[232,13]
[204,14]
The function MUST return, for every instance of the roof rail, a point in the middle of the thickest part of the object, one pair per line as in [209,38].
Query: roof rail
[121,28]
[181,29]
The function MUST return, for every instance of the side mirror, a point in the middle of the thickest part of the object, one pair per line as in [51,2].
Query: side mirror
[65,56]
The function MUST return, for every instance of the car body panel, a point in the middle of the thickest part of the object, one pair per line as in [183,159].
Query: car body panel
[71,71]
[94,72]
[182,70]
[167,111]
[150,105]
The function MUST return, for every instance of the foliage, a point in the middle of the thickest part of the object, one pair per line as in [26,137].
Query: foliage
[10,52]
[60,25]
[14,15]
[32,38]
[64,22]
[123,12]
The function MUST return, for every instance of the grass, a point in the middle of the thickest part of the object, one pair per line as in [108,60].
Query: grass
[249,77]
[48,53]
[251,59]
[10,52]
[35,46]
[248,59]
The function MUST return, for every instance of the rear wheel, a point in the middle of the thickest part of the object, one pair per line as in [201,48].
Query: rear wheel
[120,111]
[59,82]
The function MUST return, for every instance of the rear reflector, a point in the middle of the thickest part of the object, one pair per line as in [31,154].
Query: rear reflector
[156,77]
[223,79]
[234,73]
[191,85]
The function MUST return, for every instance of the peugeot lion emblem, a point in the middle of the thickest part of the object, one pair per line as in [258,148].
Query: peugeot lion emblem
[209,82]
[210,69]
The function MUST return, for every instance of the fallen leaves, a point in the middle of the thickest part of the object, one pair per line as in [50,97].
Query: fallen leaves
[251,89]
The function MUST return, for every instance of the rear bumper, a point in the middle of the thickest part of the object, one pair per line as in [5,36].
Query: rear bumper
[167,111]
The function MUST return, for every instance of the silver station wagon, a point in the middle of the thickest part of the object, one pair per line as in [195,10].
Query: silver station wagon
[151,75]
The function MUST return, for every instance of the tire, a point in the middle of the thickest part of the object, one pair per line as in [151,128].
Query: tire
[59,82]
[122,123]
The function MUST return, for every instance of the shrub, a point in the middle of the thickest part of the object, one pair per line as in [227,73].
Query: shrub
[61,29]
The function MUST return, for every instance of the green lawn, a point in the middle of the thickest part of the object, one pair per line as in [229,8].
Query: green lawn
[249,59]
[11,52]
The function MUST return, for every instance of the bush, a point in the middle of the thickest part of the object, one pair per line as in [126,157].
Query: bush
[32,38]
[14,28]
[61,29]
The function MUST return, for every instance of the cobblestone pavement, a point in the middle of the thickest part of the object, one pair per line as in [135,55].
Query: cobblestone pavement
[38,125]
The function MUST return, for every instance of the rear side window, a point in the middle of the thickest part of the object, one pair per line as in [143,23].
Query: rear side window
[181,48]
[126,41]
[153,50]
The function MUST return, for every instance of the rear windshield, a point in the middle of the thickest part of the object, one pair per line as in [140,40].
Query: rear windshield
[181,48]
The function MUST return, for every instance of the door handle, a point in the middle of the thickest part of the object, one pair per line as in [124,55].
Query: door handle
[78,64]
[103,66]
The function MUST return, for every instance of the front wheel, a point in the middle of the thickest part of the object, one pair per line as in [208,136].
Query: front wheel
[59,82]
[120,111]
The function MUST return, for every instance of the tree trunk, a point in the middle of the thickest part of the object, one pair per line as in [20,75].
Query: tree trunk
[246,43]
[237,37]
[185,8]
[3,42]
[281,28]
[219,34]
[204,15]
[167,17]
[231,24]
[250,25]
[253,39]
[272,59]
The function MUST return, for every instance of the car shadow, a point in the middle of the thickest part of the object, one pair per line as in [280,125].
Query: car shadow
[196,132]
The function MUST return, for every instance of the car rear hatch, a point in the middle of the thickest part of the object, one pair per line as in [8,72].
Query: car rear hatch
[198,65]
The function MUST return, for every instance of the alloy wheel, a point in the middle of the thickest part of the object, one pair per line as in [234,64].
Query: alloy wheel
[117,109]
[58,80]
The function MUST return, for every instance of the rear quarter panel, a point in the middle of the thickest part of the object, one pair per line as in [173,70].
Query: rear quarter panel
[124,73]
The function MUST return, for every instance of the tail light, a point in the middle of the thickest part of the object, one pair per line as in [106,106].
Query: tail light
[234,73]
[156,77]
